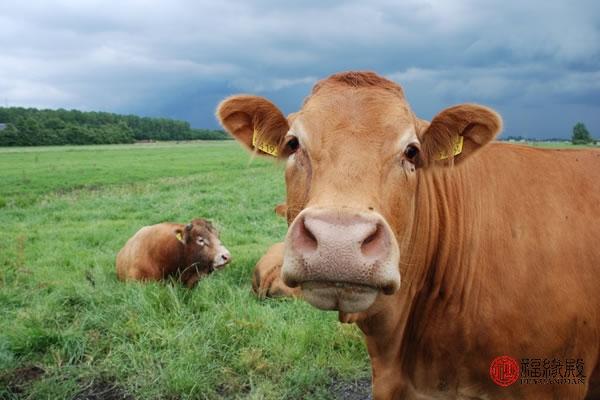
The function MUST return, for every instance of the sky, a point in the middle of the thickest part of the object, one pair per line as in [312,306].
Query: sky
[535,62]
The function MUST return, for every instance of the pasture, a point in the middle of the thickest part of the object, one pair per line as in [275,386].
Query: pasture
[70,329]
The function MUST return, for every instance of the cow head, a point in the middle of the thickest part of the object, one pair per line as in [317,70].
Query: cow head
[354,156]
[202,246]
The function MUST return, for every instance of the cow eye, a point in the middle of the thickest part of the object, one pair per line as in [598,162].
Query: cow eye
[411,152]
[292,145]
[201,242]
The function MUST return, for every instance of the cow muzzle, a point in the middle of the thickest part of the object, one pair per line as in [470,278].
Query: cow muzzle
[342,260]
[222,258]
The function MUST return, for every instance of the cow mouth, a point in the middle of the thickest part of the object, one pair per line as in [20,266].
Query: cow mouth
[342,296]
[215,267]
[220,262]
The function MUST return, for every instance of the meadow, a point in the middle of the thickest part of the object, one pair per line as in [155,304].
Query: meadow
[70,330]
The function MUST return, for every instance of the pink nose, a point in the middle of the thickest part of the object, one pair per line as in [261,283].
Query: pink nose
[225,257]
[337,247]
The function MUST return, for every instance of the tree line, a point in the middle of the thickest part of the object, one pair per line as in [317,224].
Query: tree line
[580,135]
[32,127]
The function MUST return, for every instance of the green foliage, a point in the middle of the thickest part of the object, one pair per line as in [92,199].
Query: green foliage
[581,134]
[68,210]
[33,127]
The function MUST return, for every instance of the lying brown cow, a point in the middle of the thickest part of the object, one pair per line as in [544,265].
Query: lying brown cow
[266,280]
[281,210]
[188,252]
[497,244]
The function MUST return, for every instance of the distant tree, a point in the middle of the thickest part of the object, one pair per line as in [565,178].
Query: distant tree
[9,136]
[205,134]
[33,127]
[581,135]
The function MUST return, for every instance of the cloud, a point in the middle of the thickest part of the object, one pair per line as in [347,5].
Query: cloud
[270,84]
[520,85]
[179,58]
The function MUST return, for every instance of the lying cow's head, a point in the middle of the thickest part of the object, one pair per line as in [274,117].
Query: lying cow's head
[202,246]
[354,154]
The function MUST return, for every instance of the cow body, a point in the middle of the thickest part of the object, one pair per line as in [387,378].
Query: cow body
[453,250]
[188,252]
[266,280]
[511,270]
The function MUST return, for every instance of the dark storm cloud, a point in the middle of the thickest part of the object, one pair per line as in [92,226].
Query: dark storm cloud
[537,62]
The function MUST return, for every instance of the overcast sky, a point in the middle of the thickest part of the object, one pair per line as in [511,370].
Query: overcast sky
[536,62]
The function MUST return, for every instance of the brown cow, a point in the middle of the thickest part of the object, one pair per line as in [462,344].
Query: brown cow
[188,252]
[281,210]
[496,244]
[266,280]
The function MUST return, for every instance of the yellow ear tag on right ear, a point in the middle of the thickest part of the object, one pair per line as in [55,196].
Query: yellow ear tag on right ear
[179,236]
[258,143]
[456,149]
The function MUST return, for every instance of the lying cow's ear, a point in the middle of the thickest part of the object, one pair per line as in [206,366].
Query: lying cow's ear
[180,235]
[457,132]
[255,122]
[281,210]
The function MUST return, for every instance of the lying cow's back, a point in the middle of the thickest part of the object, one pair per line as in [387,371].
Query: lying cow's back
[152,253]
[266,279]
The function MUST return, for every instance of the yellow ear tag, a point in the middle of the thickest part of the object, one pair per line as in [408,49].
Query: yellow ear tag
[456,149]
[179,236]
[266,147]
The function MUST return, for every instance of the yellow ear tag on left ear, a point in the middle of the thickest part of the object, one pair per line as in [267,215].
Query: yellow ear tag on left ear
[179,236]
[258,143]
[456,149]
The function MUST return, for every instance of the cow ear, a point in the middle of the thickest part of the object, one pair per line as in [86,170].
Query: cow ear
[179,235]
[255,122]
[457,132]
[421,126]
[281,209]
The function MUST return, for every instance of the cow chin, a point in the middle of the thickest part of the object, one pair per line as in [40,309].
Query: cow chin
[349,298]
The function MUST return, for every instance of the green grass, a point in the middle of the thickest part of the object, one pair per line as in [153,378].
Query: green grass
[557,145]
[66,211]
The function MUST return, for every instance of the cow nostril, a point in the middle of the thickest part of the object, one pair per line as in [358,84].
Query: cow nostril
[304,239]
[225,257]
[373,244]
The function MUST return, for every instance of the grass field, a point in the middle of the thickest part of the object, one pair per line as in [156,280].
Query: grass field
[70,329]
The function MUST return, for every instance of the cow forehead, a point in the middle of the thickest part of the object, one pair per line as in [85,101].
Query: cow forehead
[360,115]
[203,227]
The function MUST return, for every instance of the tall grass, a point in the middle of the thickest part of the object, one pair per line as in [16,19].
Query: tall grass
[65,212]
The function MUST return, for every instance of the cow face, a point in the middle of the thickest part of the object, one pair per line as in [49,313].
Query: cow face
[202,246]
[354,156]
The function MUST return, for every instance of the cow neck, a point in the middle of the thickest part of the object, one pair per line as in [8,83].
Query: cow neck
[183,263]
[448,277]
[433,272]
